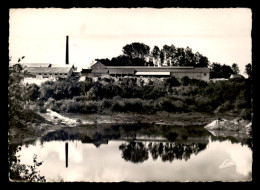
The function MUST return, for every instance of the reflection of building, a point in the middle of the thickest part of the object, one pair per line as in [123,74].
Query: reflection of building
[99,69]
[97,143]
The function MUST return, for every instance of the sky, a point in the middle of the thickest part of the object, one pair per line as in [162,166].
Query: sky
[223,35]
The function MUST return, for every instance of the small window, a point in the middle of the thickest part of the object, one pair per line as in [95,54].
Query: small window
[56,74]
[45,74]
[40,74]
[205,74]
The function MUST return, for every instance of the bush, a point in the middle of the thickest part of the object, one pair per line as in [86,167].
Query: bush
[203,104]
[133,105]
[225,107]
[185,81]
[106,104]
[42,110]
[169,105]
[171,82]
[118,106]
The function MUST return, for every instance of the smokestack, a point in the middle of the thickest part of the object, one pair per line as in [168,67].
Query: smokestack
[67,50]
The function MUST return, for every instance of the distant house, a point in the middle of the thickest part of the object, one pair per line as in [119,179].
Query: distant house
[99,69]
[49,72]
[46,70]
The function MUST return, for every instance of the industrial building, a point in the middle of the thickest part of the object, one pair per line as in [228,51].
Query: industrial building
[99,69]
[49,72]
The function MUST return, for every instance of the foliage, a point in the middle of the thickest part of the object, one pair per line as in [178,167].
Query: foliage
[248,70]
[136,50]
[235,68]
[23,172]
[220,71]
[140,54]
[137,152]
[171,82]
[129,94]
[19,97]
[16,93]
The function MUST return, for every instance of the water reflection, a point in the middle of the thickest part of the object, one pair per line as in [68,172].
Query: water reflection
[133,153]
[101,135]
[138,151]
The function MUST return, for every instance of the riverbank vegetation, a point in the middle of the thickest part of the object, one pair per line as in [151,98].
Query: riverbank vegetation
[147,95]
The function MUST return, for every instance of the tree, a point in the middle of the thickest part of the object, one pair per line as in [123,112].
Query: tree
[156,55]
[122,60]
[203,62]
[16,95]
[162,57]
[106,61]
[173,55]
[220,71]
[235,68]
[196,58]
[168,54]
[136,50]
[180,53]
[32,92]
[226,71]
[189,61]
[248,70]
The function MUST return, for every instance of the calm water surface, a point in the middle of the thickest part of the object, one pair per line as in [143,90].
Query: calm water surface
[130,153]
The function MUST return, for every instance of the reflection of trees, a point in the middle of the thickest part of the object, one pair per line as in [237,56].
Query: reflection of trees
[168,151]
[135,152]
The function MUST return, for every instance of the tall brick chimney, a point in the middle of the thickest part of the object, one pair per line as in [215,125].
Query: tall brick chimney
[67,50]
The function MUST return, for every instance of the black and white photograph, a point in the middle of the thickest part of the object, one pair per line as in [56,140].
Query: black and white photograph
[130,95]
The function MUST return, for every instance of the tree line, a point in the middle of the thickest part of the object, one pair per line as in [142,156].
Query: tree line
[140,54]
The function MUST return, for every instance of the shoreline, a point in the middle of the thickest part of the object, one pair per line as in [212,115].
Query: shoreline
[56,121]
[158,118]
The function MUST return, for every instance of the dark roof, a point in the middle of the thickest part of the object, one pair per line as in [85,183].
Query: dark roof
[160,69]
[121,71]
[48,69]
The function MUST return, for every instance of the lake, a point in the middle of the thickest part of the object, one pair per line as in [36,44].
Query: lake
[135,153]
